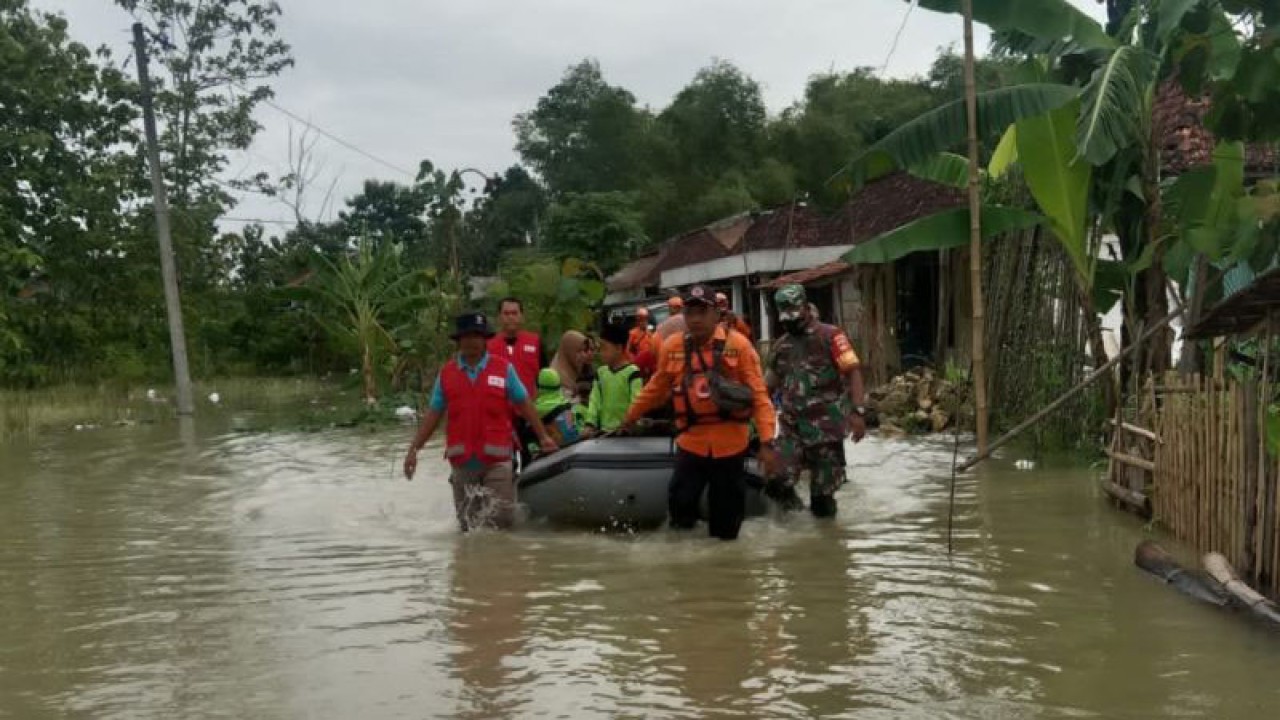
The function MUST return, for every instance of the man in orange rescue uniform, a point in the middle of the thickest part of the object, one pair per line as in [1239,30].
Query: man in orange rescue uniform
[640,339]
[713,437]
[731,319]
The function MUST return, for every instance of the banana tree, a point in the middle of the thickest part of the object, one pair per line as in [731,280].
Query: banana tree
[357,298]
[1091,164]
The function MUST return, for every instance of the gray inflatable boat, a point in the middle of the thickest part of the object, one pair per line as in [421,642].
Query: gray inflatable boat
[612,482]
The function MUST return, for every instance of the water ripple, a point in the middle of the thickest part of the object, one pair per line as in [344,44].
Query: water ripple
[295,575]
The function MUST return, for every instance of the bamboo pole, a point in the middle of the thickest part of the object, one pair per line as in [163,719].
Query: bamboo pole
[975,236]
[1252,465]
[1268,478]
[1062,399]
[1221,570]
[1131,461]
[1237,467]
[1140,431]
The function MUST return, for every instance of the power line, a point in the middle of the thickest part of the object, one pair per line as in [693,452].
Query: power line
[264,221]
[325,133]
[893,48]
[285,111]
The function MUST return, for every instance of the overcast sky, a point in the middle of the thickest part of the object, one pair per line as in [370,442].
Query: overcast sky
[408,80]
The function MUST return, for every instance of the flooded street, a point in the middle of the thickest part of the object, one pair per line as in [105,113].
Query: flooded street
[148,575]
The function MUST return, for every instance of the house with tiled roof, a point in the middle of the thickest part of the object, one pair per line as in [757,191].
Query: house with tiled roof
[747,256]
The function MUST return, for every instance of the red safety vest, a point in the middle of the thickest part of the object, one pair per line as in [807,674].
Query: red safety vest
[479,414]
[525,354]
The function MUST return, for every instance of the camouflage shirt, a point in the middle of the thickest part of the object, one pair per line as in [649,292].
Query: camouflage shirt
[809,370]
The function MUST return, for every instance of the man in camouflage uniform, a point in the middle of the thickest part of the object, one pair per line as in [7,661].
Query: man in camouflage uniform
[817,378]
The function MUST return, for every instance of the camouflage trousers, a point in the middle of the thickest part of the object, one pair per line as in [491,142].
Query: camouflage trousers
[824,464]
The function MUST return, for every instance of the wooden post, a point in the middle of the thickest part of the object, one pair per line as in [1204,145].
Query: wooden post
[975,237]
[1252,464]
[168,269]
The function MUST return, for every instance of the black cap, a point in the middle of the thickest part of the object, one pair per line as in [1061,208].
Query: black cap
[700,295]
[472,323]
[616,334]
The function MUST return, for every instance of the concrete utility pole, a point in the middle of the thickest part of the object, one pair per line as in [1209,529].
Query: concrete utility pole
[975,237]
[168,269]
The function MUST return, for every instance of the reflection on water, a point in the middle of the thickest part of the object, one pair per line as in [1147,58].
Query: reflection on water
[151,573]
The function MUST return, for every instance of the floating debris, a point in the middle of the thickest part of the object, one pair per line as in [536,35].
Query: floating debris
[215,398]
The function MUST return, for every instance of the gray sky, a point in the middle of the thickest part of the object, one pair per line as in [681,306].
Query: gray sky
[412,79]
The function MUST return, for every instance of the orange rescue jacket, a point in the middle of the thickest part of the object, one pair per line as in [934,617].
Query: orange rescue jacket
[710,434]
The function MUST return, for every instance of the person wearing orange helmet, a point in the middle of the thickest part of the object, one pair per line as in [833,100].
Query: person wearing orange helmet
[729,318]
[640,339]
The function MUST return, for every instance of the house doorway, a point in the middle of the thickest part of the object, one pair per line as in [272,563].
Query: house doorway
[917,321]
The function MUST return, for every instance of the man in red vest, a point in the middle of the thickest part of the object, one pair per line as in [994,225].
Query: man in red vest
[519,346]
[476,392]
[524,350]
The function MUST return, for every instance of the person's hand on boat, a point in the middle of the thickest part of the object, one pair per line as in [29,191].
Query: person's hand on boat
[589,432]
[548,444]
[410,463]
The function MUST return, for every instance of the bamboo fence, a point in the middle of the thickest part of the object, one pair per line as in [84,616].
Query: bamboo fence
[1213,483]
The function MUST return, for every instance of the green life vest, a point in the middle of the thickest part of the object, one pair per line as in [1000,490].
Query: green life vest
[611,396]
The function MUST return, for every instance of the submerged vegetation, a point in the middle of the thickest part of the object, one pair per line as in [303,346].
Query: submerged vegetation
[84,408]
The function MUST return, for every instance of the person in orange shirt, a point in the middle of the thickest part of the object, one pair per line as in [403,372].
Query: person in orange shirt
[729,318]
[640,339]
[713,438]
[675,304]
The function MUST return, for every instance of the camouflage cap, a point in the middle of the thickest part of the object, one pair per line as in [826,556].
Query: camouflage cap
[790,301]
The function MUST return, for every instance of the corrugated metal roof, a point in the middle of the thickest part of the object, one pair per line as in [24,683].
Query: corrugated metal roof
[1242,311]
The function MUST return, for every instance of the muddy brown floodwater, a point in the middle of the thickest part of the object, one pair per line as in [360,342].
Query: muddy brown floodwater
[150,574]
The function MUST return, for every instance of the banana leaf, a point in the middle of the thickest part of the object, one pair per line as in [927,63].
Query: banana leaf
[946,127]
[940,231]
[1054,20]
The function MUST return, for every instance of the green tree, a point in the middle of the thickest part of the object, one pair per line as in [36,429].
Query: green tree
[65,177]
[558,295]
[359,298]
[605,227]
[216,57]
[585,135]
[716,124]
[840,115]
[1095,163]
[386,211]
[506,218]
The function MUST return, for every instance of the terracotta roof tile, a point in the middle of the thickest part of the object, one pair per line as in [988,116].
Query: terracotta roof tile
[1185,142]
[804,277]
[881,206]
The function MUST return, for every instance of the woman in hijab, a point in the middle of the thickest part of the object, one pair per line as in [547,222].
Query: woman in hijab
[568,362]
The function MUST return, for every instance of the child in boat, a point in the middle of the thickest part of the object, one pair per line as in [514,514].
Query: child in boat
[617,384]
[557,414]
